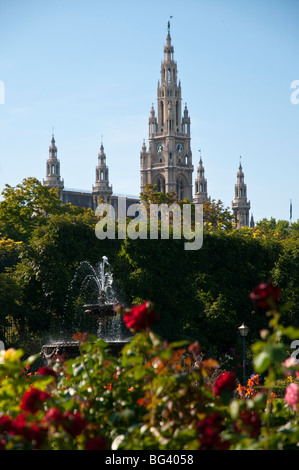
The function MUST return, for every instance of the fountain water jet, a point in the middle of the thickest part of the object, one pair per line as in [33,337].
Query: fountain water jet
[108,323]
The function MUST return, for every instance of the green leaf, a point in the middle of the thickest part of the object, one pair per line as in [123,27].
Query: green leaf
[179,344]
[262,362]
[139,372]
[291,332]
[234,409]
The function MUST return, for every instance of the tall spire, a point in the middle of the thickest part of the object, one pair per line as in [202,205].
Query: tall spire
[168,162]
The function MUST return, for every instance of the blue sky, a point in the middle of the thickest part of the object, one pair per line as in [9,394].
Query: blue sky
[91,68]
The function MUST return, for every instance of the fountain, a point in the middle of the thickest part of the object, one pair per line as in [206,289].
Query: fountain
[108,323]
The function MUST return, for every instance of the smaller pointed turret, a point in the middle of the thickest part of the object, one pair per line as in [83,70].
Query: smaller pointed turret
[201,193]
[152,122]
[101,191]
[53,179]
[240,205]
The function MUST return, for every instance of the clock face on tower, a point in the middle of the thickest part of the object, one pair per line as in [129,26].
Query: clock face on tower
[179,148]
[160,147]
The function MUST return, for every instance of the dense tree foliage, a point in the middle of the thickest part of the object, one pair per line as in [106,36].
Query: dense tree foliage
[199,294]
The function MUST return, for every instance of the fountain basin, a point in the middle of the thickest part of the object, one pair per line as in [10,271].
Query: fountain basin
[70,350]
[61,349]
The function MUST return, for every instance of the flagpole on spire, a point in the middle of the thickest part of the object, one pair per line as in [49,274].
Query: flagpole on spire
[168,25]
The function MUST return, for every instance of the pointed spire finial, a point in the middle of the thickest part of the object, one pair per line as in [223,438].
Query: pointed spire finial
[168,26]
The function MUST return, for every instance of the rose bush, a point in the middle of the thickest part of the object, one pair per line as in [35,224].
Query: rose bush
[155,395]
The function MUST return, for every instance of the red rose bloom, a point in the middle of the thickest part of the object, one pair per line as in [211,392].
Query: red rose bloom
[226,382]
[96,443]
[33,399]
[209,433]
[73,423]
[46,371]
[265,296]
[251,421]
[140,317]
[53,416]
[30,431]
[5,423]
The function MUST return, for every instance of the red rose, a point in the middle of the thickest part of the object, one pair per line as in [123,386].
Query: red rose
[33,399]
[140,317]
[46,371]
[96,443]
[209,430]
[226,382]
[30,431]
[265,296]
[251,421]
[53,415]
[5,423]
[73,423]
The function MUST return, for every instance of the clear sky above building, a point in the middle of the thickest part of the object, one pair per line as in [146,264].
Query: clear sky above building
[90,70]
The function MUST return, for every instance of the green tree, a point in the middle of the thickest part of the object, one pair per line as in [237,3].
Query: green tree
[286,275]
[216,215]
[48,263]
[27,206]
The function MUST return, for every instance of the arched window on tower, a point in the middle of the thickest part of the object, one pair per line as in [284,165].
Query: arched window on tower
[180,188]
[168,76]
[53,169]
[161,184]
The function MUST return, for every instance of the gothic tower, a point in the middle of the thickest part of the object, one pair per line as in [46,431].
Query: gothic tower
[53,179]
[201,192]
[240,206]
[101,191]
[168,161]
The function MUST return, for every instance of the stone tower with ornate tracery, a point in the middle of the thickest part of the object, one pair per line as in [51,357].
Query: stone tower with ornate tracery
[240,205]
[168,160]
[102,190]
[201,189]
[53,178]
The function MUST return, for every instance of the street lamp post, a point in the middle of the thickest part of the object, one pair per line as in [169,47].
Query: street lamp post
[243,329]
